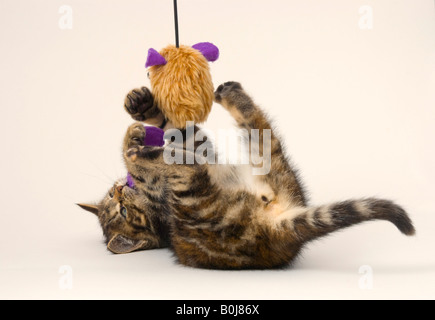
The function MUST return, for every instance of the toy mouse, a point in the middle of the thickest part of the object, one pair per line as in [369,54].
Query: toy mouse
[181,83]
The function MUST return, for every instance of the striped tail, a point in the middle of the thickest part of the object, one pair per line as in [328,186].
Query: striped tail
[313,223]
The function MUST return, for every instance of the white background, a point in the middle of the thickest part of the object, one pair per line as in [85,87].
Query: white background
[354,107]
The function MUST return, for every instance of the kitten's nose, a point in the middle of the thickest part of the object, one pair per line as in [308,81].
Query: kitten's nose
[118,191]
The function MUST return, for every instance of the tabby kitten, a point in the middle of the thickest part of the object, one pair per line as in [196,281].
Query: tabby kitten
[216,216]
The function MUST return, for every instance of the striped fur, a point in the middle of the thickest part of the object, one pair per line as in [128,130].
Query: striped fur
[211,218]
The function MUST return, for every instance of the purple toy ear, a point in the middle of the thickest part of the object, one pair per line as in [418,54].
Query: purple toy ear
[208,50]
[154,59]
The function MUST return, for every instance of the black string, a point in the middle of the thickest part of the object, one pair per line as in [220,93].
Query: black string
[176,24]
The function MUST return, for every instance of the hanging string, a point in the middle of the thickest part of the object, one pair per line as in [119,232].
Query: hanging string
[177,44]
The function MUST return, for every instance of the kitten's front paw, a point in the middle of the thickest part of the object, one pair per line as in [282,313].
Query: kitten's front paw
[138,103]
[132,153]
[226,91]
[135,136]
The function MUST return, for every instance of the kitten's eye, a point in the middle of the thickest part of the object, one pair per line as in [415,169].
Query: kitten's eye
[148,75]
[124,212]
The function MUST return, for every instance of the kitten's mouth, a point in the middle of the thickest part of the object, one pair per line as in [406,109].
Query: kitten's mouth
[117,190]
[127,186]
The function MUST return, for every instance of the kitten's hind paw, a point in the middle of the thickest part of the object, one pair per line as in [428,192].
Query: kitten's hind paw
[233,98]
[225,90]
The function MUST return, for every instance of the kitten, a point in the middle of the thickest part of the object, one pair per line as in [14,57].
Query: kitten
[205,212]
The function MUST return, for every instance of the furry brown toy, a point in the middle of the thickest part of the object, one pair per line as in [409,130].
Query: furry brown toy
[181,81]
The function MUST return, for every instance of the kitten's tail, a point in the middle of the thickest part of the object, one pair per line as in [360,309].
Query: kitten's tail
[316,222]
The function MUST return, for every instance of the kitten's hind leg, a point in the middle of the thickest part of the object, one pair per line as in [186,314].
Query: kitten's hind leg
[264,144]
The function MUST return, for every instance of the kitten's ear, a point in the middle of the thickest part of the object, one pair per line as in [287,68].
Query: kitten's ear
[89,207]
[121,244]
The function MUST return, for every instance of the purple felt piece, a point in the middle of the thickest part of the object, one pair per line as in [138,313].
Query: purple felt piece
[154,59]
[154,137]
[130,182]
[208,50]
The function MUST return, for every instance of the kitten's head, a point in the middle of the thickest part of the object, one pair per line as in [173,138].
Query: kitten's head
[128,221]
